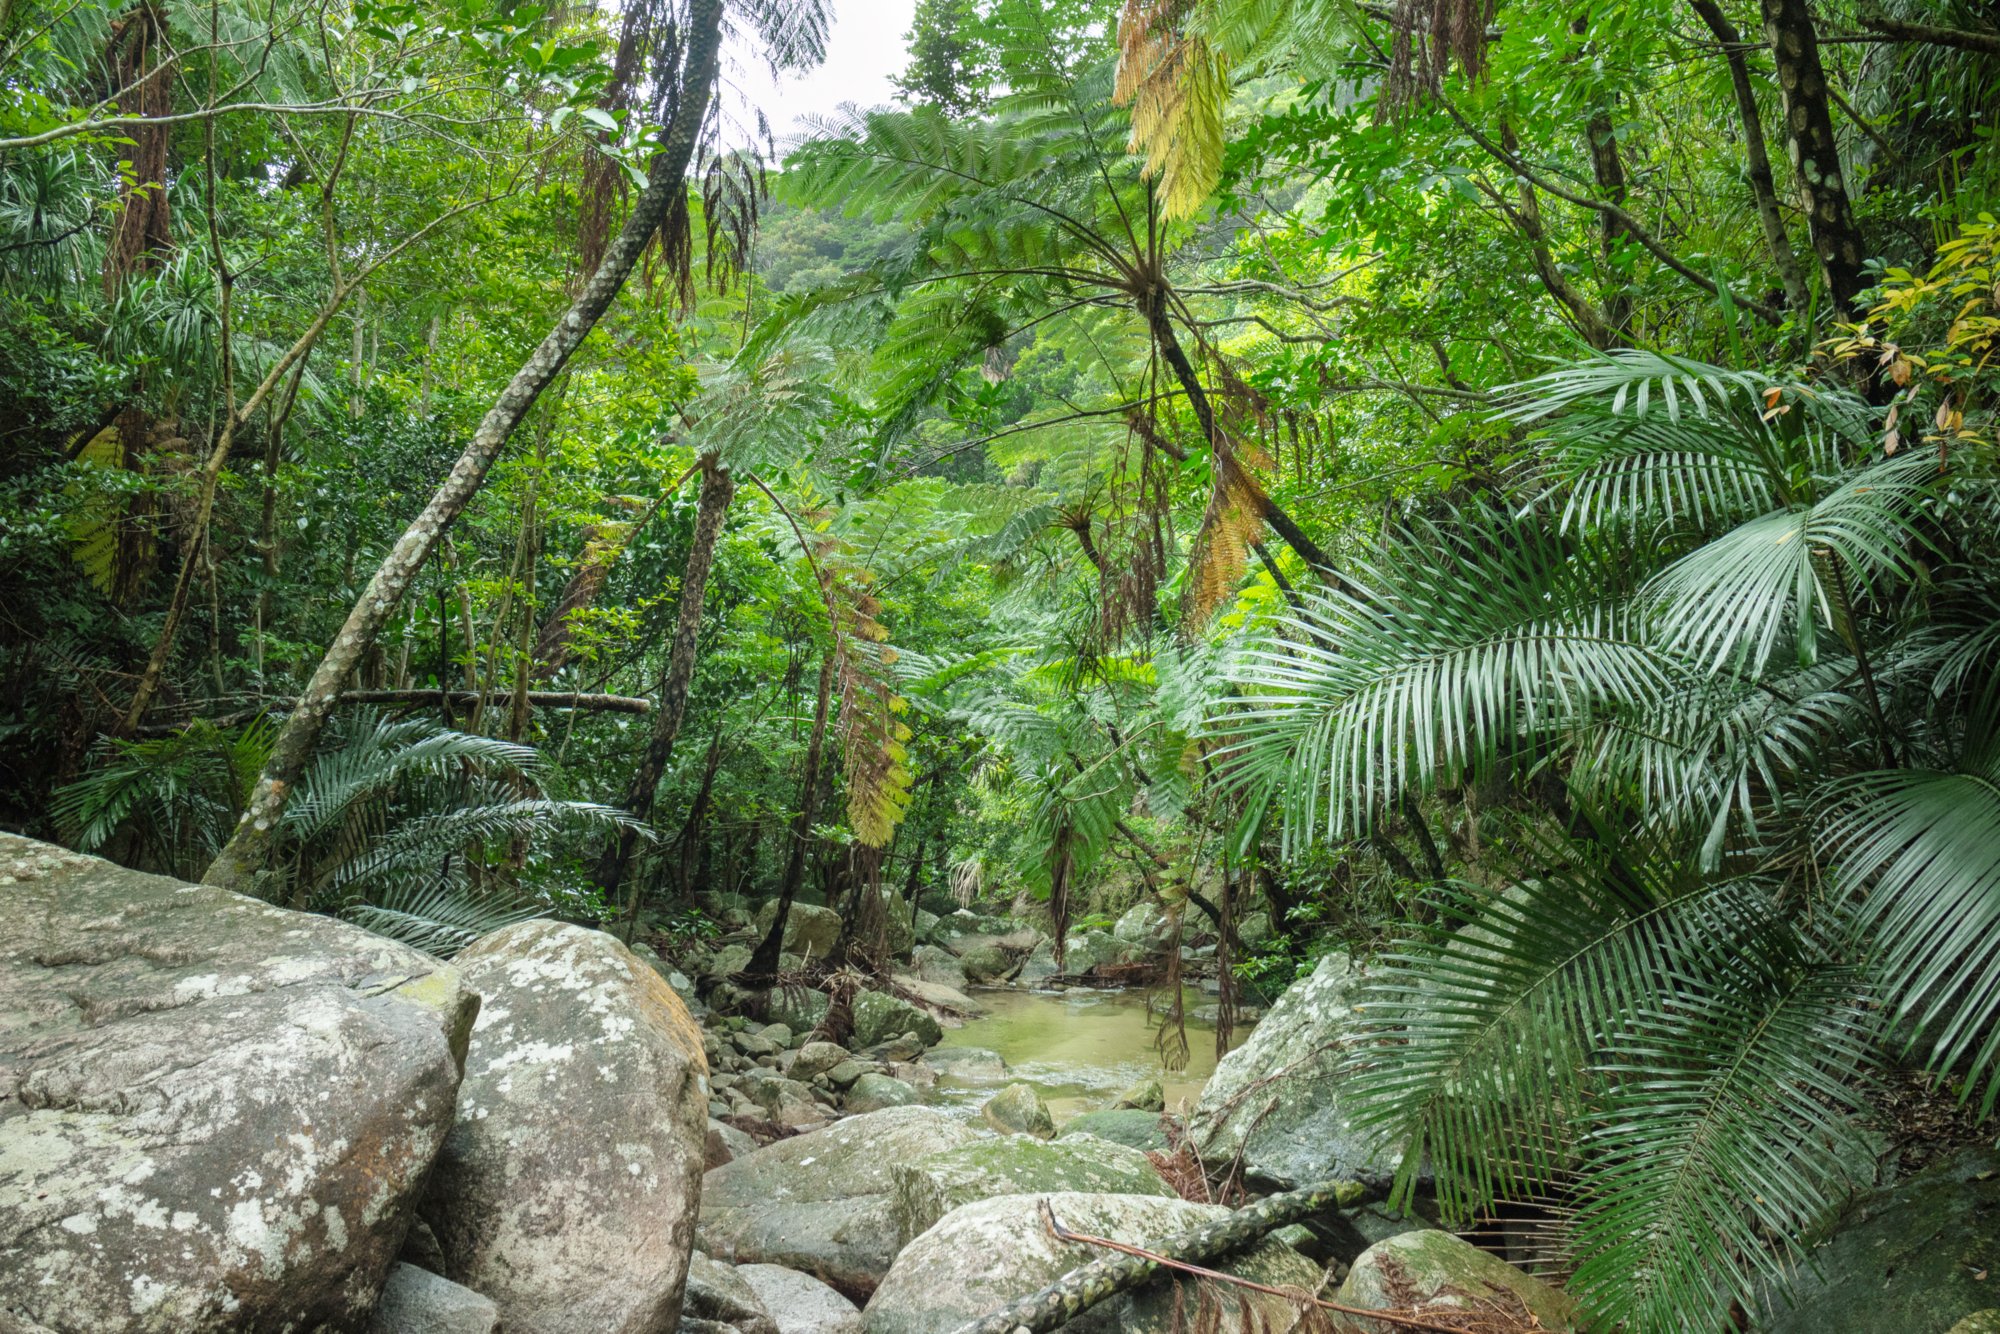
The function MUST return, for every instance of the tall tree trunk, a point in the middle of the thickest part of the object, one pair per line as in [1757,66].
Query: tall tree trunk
[248,848]
[1815,153]
[764,963]
[717,490]
[1608,169]
[1756,158]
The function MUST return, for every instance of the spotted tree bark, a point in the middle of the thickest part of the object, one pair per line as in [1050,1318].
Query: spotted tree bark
[248,848]
[1815,153]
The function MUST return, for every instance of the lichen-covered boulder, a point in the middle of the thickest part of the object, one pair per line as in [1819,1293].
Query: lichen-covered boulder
[1134,1129]
[816,1058]
[872,1093]
[1085,950]
[808,930]
[1145,925]
[1919,1255]
[985,1255]
[986,965]
[1039,967]
[934,963]
[820,1203]
[932,1187]
[568,1187]
[1277,1099]
[416,1301]
[1144,1096]
[879,1017]
[799,1303]
[1019,1110]
[214,1113]
[1436,1271]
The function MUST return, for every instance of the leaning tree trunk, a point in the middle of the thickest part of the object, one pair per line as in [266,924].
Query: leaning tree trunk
[718,489]
[1756,159]
[249,847]
[764,962]
[1815,153]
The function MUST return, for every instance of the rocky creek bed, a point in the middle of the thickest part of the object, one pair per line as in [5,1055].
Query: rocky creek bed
[217,1115]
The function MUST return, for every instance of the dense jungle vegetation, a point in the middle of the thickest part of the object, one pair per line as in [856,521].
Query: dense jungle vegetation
[1508,488]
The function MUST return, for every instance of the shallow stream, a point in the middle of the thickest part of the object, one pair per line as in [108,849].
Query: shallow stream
[1079,1049]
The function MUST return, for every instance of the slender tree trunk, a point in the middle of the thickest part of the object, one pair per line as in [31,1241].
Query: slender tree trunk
[1223,448]
[1756,158]
[1815,153]
[249,847]
[717,490]
[1527,219]
[764,963]
[1608,169]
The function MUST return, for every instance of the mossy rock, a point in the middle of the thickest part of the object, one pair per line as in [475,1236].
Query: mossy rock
[879,1017]
[927,1190]
[1019,1110]
[871,1093]
[1436,1271]
[1133,1129]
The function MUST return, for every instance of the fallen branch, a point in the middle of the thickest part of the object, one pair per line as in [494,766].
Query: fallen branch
[1080,1289]
[540,699]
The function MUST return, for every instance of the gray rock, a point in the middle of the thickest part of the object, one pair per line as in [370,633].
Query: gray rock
[899,930]
[566,1190]
[816,1058]
[724,1144]
[1145,925]
[786,1102]
[214,1113]
[1137,1130]
[985,1255]
[416,1302]
[799,1009]
[755,1044]
[801,1304]
[932,1187]
[937,964]
[729,959]
[1254,929]
[718,1292]
[879,1017]
[1296,1124]
[808,930]
[1019,1110]
[1040,966]
[986,964]
[1917,1256]
[953,1002]
[1436,1271]
[1085,950]
[969,1063]
[779,1034]
[848,1071]
[872,1093]
[820,1203]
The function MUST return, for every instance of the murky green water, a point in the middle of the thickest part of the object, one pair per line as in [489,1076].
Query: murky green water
[1079,1049]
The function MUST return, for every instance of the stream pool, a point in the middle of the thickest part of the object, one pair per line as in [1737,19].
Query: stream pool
[1079,1049]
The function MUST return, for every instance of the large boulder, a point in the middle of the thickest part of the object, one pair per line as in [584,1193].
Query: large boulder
[799,1303]
[1917,1256]
[932,1187]
[1277,1098]
[934,963]
[879,1016]
[568,1187]
[987,965]
[952,1002]
[821,1203]
[985,1255]
[808,930]
[1146,926]
[1039,967]
[1422,1271]
[872,1093]
[416,1301]
[1085,950]
[801,1009]
[898,929]
[214,1113]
